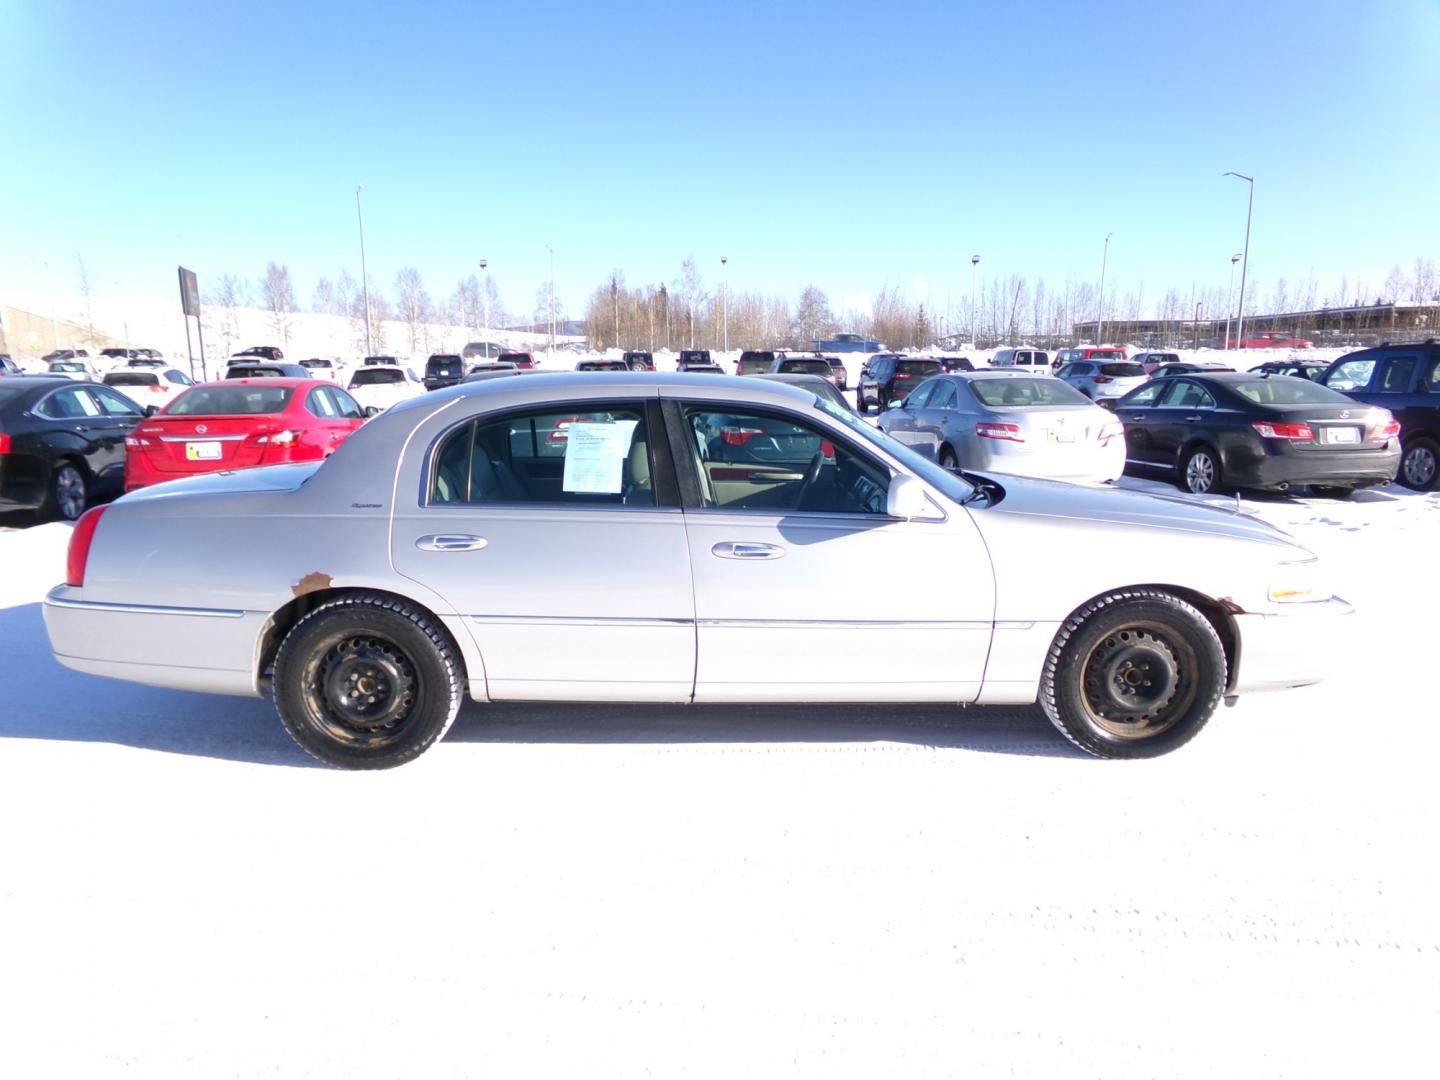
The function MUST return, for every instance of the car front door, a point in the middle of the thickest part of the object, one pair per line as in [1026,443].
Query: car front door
[1136,411]
[1185,408]
[783,513]
[556,534]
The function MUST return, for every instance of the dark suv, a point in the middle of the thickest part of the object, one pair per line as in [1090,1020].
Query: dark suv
[693,358]
[889,377]
[1406,380]
[639,361]
[443,369]
[258,352]
[755,361]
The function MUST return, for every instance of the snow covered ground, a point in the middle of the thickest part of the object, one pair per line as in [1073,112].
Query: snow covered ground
[733,892]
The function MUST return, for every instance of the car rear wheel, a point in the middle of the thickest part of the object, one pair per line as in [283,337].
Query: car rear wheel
[1200,472]
[1134,674]
[1420,465]
[367,682]
[947,458]
[68,495]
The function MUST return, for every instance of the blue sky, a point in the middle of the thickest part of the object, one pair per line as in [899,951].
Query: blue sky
[849,145]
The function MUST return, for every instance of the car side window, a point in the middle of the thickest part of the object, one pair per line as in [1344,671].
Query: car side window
[1352,374]
[944,396]
[586,456]
[1145,396]
[179,378]
[1188,395]
[69,404]
[777,464]
[345,405]
[318,403]
[920,397]
[1431,379]
[115,404]
[1398,374]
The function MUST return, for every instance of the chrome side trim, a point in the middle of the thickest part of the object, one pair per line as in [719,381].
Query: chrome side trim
[143,609]
[574,620]
[847,624]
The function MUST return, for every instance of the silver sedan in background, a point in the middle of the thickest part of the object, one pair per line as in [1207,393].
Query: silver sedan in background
[1010,422]
[1105,381]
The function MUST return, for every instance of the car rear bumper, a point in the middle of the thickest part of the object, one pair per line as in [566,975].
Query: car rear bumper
[200,649]
[1281,466]
[1295,647]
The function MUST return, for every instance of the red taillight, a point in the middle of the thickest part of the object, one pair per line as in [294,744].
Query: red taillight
[157,389]
[1387,430]
[1283,431]
[1103,378]
[79,552]
[739,436]
[4,443]
[1005,432]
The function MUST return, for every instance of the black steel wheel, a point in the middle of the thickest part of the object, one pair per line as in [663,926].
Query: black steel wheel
[1133,674]
[367,682]
[68,494]
[1420,464]
[1200,471]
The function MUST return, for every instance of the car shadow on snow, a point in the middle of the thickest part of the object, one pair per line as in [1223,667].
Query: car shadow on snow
[41,699]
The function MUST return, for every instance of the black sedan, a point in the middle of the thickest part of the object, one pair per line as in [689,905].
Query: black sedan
[1244,430]
[62,443]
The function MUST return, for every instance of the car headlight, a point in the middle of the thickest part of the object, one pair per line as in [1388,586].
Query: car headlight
[1298,582]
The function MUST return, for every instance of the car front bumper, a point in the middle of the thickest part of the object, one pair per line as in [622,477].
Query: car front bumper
[1292,647]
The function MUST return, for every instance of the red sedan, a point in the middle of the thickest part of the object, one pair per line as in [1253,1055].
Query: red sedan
[237,424]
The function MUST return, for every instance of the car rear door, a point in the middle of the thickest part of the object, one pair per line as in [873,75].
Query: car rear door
[783,612]
[557,535]
[76,425]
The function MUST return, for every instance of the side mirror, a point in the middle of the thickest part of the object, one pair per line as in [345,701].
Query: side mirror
[151,410]
[907,499]
[897,403]
[371,410]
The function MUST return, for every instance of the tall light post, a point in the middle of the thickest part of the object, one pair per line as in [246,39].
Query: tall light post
[615,300]
[1198,306]
[724,304]
[364,277]
[1100,307]
[1244,266]
[1230,298]
[551,250]
[485,269]
[974,266]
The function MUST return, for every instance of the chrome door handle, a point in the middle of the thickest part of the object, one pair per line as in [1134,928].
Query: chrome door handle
[731,549]
[1192,419]
[451,542]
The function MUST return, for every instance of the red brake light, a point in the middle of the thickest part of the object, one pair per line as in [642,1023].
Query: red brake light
[1387,430]
[4,443]
[1103,378]
[1004,432]
[739,436]
[1283,431]
[78,553]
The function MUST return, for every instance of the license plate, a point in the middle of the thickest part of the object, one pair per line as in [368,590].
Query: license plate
[1342,435]
[1061,436]
[202,451]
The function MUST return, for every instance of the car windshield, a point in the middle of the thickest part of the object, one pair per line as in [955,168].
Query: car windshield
[1287,390]
[949,484]
[316,363]
[1000,393]
[231,401]
[131,378]
[806,367]
[66,365]
[376,377]
[1123,371]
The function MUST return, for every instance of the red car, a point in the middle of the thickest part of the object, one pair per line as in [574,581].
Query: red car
[519,359]
[1272,339]
[237,424]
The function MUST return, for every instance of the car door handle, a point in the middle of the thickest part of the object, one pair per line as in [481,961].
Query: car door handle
[451,542]
[1193,419]
[732,549]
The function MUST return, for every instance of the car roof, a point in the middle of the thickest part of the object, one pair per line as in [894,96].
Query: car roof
[544,385]
[277,380]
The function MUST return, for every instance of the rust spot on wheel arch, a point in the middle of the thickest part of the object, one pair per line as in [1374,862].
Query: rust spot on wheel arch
[311,582]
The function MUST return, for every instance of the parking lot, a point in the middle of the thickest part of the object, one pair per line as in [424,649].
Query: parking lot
[728,891]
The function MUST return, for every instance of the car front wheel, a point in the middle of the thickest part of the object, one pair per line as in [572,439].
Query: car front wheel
[1133,674]
[69,494]
[367,682]
[1200,472]
[947,458]
[1420,465]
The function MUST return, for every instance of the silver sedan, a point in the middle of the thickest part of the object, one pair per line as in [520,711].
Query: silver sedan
[1009,422]
[675,538]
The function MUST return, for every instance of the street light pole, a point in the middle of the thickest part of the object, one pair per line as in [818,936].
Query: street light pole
[364,277]
[1198,306]
[1100,307]
[724,304]
[551,250]
[974,266]
[485,269]
[1230,298]
[1244,266]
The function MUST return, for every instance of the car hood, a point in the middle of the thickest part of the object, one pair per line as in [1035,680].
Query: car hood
[1105,504]
[263,478]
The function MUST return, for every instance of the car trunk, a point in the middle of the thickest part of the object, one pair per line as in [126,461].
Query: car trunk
[1047,424]
[1331,427]
[186,444]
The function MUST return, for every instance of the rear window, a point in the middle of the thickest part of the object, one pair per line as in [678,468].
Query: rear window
[66,365]
[1106,354]
[1022,392]
[131,378]
[806,367]
[602,365]
[1286,390]
[316,363]
[918,369]
[376,377]
[256,373]
[231,401]
[1122,371]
